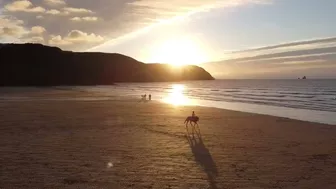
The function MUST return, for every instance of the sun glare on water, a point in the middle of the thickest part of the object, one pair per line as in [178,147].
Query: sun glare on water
[178,52]
[176,96]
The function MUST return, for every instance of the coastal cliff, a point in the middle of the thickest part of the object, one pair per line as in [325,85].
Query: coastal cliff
[39,65]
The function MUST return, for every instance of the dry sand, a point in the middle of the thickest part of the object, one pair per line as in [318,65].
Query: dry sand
[127,144]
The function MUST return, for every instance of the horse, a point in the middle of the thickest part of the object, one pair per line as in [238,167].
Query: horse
[191,119]
[143,97]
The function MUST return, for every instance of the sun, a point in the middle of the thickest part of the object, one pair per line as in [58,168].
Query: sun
[178,52]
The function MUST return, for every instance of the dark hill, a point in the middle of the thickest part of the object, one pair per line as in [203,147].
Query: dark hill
[39,65]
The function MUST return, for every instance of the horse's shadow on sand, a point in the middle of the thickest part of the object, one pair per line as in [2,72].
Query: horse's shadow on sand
[202,154]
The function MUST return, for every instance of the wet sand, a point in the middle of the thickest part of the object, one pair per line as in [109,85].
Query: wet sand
[123,143]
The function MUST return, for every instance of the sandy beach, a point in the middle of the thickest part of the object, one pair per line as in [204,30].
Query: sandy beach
[124,143]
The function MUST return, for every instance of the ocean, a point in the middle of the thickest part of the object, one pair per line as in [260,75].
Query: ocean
[308,100]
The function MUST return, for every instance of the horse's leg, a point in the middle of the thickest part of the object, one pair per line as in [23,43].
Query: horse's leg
[187,127]
[193,127]
[192,130]
[198,127]
[198,130]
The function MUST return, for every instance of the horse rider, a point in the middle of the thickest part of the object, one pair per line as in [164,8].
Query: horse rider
[193,114]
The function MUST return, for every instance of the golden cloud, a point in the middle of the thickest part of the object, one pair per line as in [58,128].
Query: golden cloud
[12,27]
[55,2]
[38,30]
[75,37]
[87,18]
[78,10]
[23,6]
[35,39]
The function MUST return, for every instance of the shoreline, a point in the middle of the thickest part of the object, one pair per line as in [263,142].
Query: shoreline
[320,117]
[64,94]
[252,113]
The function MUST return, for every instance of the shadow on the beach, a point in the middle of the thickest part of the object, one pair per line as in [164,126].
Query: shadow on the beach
[202,155]
[143,100]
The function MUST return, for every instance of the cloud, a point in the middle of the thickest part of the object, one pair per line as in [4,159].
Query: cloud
[120,20]
[302,62]
[23,6]
[56,12]
[27,6]
[58,41]
[287,59]
[163,10]
[77,10]
[75,37]
[53,12]
[292,44]
[55,2]
[38,30]
[35,39]
[9,21]
[70,10]
[76,19]
[13,31]
[11,27]
[314,46]
[285,47]
[88,18]
[142,16]
[176,7]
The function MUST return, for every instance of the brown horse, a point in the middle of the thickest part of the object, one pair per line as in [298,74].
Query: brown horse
[191,119]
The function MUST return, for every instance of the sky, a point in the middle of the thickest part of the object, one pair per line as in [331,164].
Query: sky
[229,38]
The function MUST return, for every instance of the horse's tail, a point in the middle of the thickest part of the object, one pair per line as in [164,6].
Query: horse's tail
[186,120]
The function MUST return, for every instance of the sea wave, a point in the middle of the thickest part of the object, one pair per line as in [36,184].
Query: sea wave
[313,95]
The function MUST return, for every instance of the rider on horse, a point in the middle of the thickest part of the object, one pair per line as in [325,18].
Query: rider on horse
[192,119]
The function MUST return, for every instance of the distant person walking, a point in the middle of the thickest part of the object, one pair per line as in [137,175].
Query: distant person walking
[149,97]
